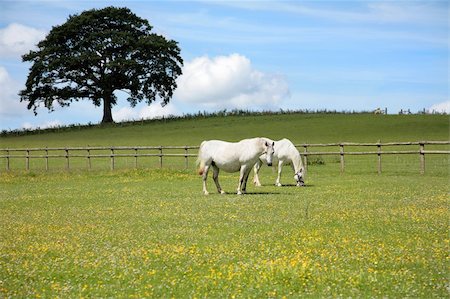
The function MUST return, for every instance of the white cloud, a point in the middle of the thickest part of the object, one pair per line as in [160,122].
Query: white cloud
[124,114]
[228,82]
[443,107]
[17,39]
[369,12]
[407,12]
[155,110]
[10,105]
[44,125]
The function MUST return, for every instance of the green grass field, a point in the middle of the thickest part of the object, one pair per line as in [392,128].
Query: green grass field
[151,233]
[300,128]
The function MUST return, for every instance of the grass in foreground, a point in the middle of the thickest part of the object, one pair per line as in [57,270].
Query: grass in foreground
[152,233]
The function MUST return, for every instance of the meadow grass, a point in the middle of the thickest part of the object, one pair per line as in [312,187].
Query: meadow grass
[151,233]
[300,128]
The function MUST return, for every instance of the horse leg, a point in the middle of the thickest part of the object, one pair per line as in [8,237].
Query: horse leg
[280,166]
[256,169]
[241,179]
[244,186]
[216,179]
[204,177]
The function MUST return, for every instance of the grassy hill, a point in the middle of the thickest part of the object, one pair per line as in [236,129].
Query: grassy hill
[300,128]
[151,233]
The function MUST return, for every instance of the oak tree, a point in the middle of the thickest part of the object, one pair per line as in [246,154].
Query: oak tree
[96,53]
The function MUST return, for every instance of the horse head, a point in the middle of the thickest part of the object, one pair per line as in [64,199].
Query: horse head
[269,151]
[299,178]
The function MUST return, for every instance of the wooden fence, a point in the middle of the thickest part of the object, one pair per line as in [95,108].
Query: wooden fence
[421,151]
[90,153]
[186,152]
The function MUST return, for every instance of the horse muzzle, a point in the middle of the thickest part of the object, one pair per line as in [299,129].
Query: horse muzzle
[299,179]
[269,164]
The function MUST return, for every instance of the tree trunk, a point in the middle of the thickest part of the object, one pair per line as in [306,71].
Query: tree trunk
[107,114]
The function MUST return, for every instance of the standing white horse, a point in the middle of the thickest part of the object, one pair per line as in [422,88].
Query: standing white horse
[232,157]
[285,153]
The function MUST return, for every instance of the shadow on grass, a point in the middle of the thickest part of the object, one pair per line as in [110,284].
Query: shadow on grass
[258,193]
[262,192]
[288,185]
[245,194]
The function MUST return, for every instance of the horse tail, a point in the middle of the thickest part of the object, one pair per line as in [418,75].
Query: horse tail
[200,161]
[201,168]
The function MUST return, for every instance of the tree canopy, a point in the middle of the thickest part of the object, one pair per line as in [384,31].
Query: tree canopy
[96,53]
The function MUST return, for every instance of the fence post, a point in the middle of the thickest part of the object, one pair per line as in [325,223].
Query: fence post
[305,158]
[422,157]
[186,156]
[341,150]
[379,157]
[160,157]
[89,158]
[135,158]
[27,160]
[7,159]
[112,158]
[46,159]
[67,159]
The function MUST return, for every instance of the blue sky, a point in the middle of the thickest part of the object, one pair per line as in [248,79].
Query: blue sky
[257,55]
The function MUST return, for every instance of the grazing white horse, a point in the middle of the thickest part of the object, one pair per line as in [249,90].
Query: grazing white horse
[285,153]
[232,157]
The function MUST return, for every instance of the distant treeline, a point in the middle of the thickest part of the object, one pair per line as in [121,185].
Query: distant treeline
[171,118]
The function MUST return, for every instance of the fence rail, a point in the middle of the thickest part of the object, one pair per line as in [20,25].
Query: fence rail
[185,152]
[379,152]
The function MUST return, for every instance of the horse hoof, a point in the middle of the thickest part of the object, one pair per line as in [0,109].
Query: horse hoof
[222,192]
[278,185]
[206,192]
[239,193]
